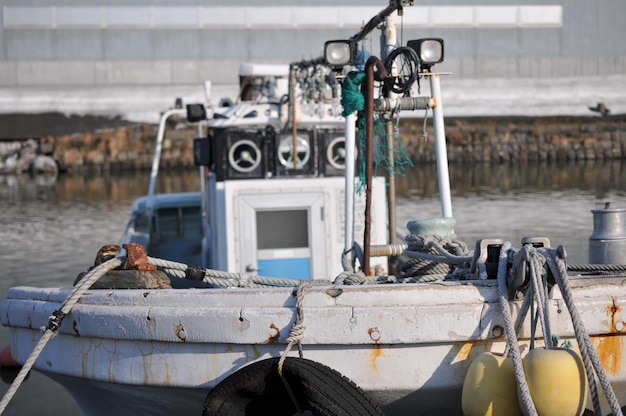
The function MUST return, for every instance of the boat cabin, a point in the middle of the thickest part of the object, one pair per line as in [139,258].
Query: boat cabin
[273,200]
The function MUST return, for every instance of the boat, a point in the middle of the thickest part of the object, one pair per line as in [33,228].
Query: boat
[278,297]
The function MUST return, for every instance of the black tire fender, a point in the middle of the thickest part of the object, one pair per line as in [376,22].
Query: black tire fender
[257,390]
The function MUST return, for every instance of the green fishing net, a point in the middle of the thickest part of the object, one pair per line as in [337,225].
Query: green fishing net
[389,151]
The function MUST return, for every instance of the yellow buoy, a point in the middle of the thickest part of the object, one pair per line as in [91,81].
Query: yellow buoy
[490,388]
[557,382]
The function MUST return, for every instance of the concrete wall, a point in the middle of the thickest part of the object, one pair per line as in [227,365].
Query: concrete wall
[112,42]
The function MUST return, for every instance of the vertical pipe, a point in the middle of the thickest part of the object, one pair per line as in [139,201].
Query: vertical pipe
[440,148]
[204,208]
[350,143]
[369,152]
[391,188]
[390,45]
[157,157]
[159,146]
[294,126]
[369,161]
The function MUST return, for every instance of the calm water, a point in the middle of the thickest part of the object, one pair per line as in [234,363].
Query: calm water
[50,230]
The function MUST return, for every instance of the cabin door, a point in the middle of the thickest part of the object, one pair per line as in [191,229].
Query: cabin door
[285,234]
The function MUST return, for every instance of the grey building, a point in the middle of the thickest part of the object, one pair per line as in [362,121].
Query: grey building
[114,42]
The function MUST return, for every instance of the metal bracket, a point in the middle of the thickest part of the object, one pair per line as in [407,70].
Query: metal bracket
[518,279]
[485,262]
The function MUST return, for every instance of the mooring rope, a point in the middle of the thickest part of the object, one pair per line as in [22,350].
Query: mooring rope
[220,278]
[512,340]
[296,334]
[535,262]
[588,352]
[54,322]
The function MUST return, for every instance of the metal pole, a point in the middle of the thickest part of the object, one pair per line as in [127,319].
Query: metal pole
[159,145]
[157,157]
[369,152]
[350,132]
[390,44]
[294,125]
[440,148]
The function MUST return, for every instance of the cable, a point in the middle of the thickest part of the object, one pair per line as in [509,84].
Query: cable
[403,64]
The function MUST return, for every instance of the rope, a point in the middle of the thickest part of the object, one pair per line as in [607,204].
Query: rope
[54,322]
[296,334]
[535,261]
[219,278]
[616,268]
[512,342]
[433,255]
[588,352]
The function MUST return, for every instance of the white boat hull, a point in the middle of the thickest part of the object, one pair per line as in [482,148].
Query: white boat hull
[407,346]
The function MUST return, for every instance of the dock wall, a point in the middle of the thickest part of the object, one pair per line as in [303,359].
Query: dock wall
[498,140]
[469,140]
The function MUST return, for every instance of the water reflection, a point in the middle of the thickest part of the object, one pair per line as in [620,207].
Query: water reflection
[597,176]
[114,188]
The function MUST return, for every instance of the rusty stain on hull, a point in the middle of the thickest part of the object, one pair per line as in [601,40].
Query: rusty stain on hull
[610,347]
[463,352]
[612,310]
[374,334]
[275,333]
[610,352]
[180,332]
[376,353]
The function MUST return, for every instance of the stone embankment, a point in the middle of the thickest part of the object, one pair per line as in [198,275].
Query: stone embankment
[521,139]
[123,148]
[495,140]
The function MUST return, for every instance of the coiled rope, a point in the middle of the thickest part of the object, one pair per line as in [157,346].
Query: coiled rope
[433,255]
[54,322]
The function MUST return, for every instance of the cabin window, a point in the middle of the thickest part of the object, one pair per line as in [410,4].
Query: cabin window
[282,229]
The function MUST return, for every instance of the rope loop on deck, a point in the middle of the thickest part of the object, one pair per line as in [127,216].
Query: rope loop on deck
[433,255]
[296,333]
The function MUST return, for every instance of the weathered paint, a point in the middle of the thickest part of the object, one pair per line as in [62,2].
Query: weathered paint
[463,353]
[377,352]
[374,334]
[402,341]
[610,351]
[613,311]
[180,332]
[274,334]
